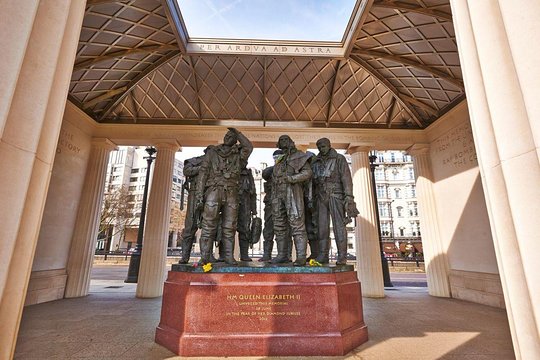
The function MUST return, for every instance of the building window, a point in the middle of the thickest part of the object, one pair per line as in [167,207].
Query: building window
[379,174]
[413,209]
[385,228]
[397,193]
[395,174]
[411,173]
[132,179]
[392,157]
[399,211]
[415,228]
[134,171]
[132,188]
[383,210]
[381,193]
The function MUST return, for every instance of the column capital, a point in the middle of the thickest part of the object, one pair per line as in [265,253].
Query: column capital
[352,149]
[167,144]
[418,149]
[104,143]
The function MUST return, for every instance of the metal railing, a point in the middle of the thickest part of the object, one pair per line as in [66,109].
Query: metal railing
[417,260]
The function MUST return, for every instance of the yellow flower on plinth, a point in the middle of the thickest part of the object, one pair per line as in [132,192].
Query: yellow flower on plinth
[314,262]
[207,267]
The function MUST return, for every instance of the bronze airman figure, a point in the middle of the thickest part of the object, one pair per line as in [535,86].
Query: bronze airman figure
[217,192]
[334,195]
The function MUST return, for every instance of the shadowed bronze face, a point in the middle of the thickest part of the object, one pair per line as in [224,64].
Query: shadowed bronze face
[230,138]
[285,142]
[323,145]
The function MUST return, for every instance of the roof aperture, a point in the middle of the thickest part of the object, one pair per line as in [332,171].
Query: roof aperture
[279,20]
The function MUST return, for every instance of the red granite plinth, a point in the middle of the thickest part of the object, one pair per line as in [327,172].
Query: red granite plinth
[261,314]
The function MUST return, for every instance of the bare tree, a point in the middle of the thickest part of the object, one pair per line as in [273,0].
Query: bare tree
[117,213]
[178,217]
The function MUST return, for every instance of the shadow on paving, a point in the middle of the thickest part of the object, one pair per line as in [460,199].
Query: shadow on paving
[406,324]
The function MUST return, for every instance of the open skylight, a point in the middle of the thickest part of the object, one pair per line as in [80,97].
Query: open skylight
[289,20]
[324,28]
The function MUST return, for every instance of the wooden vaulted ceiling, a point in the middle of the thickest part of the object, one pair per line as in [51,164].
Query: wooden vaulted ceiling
[403,72]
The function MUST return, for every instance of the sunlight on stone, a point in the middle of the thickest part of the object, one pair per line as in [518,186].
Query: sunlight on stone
[430,346]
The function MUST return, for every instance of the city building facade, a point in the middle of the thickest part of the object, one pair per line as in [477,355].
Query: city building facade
[124,186]
[398,205]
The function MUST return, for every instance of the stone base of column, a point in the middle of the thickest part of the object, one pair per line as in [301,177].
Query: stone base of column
[46,285]
[258,310]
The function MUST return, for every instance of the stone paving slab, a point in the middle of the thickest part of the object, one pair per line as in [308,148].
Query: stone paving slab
[407,324]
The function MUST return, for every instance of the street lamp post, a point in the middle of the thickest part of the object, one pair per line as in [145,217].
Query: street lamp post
[135,260]
[391,222]
[384,261]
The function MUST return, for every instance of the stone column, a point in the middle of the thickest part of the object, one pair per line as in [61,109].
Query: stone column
[152,271]
[435,257]
[31,109]
[83,244]
[16,21]
[24,121]
[500,69]
[368,253]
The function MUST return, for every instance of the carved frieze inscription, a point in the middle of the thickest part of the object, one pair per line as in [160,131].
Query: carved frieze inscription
[257,49]
[455,149]
[66,142]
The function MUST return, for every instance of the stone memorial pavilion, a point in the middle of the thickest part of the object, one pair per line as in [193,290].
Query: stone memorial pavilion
[455,83]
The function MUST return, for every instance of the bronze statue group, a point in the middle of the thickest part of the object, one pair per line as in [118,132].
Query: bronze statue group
[303,192]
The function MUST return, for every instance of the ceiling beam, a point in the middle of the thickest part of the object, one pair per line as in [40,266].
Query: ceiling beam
[404,61]
[99,2]
[430,110]
[135,108]
[390,112]
[117,99]
[263,106]
[197,86]
[406,7]
[100,98]
[399,96]
[331,100]
[120,54]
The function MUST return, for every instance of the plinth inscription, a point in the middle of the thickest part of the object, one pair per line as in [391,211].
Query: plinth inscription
[264,311]
[263,307]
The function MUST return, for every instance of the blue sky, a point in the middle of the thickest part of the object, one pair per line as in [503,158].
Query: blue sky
[309,20]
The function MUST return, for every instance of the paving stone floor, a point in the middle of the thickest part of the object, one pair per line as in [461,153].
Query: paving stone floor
[408,324]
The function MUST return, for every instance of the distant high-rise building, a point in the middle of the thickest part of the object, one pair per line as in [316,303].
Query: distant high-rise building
[124,187]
